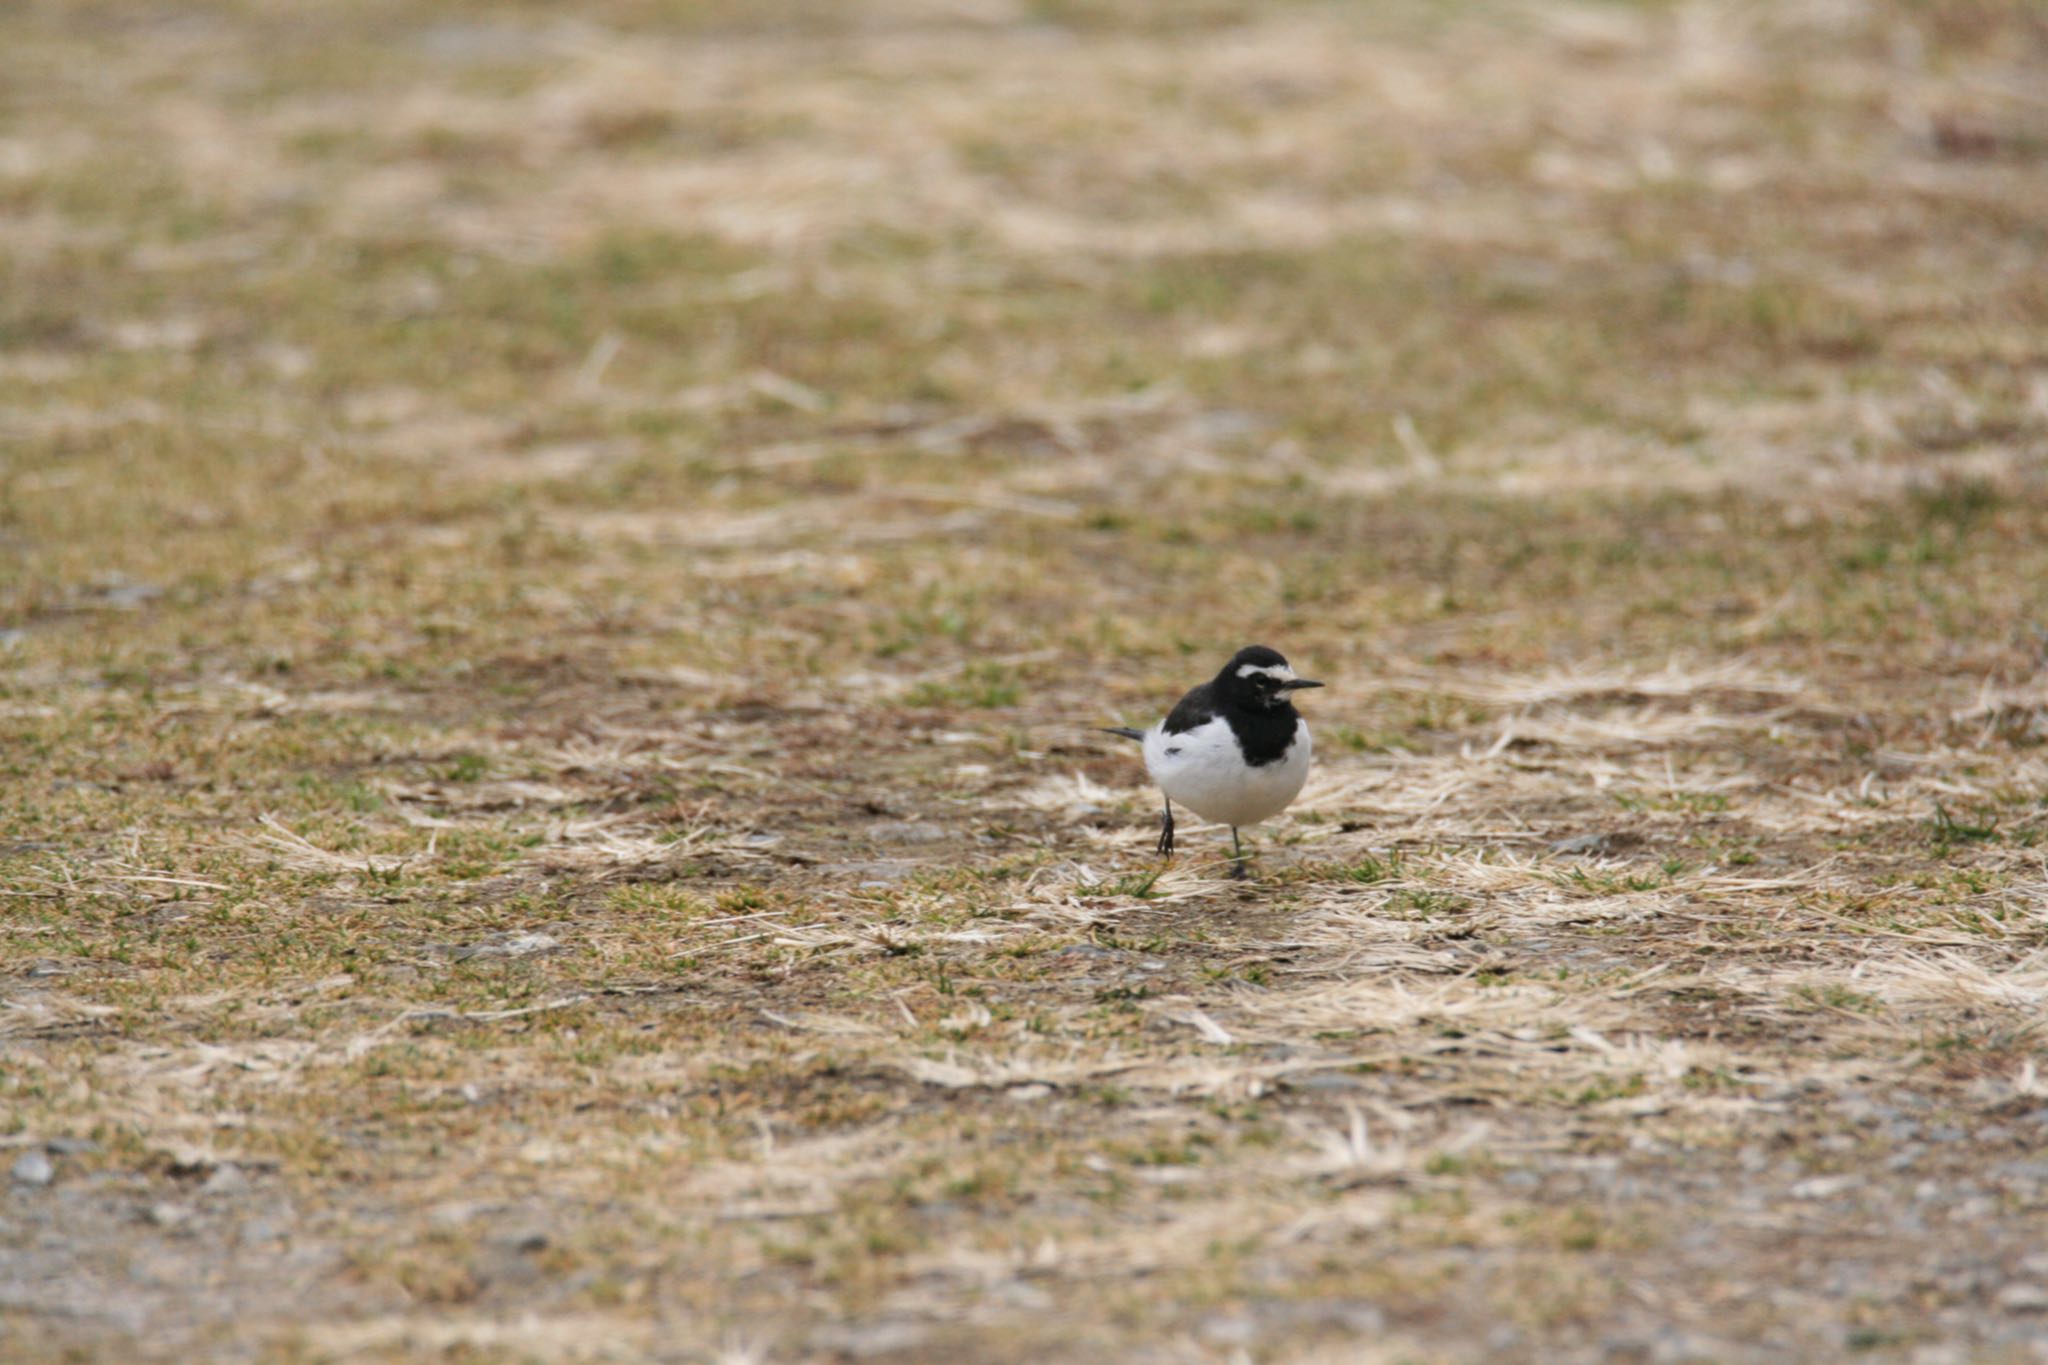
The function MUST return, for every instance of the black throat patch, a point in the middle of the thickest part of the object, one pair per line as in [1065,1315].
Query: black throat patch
[1264,733]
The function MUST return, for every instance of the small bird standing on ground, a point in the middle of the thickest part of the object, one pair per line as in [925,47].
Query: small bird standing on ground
[1234,750]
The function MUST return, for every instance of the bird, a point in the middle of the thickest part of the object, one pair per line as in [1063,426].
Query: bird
[1233,750]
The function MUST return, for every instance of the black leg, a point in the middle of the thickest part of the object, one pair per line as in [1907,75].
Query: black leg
[1237,868]
[1166,832]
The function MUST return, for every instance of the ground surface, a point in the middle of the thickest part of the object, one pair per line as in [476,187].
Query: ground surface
[554,570]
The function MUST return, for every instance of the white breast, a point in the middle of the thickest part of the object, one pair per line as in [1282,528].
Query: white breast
[1204,770]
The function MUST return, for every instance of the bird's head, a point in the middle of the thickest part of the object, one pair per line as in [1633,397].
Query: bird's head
[1259,677]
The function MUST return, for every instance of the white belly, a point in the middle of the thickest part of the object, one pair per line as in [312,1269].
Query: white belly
[1205,771]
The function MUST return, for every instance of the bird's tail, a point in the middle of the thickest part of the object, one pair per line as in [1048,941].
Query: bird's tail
[1126,731]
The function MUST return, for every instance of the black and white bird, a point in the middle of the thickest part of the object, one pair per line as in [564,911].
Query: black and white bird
[1234,750]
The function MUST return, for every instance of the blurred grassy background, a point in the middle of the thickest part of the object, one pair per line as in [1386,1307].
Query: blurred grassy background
[589,476]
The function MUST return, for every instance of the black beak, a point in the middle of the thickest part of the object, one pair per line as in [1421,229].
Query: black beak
[1293,683]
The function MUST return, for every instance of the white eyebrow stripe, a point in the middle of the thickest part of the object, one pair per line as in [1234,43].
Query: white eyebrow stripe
[1278,672]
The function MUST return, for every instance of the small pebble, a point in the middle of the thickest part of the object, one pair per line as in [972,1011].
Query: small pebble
[862,1340]
[1228,1329]
[905,832]
[874,872]
[262,1232]
[1325,1080]
[33,1168]
[507,946]
[1824,1186]
[167,1215]
[128,595]
[225,1178]
[2024,1298]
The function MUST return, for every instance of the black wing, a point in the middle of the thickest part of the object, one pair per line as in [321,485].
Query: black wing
[1196,709]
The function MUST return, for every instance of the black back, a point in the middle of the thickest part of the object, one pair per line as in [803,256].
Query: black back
[1263,721]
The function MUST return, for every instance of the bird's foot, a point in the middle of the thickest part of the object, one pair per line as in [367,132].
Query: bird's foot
[1166,836]
[1239,869]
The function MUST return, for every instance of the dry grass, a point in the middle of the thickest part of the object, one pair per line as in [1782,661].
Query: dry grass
[555,570]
